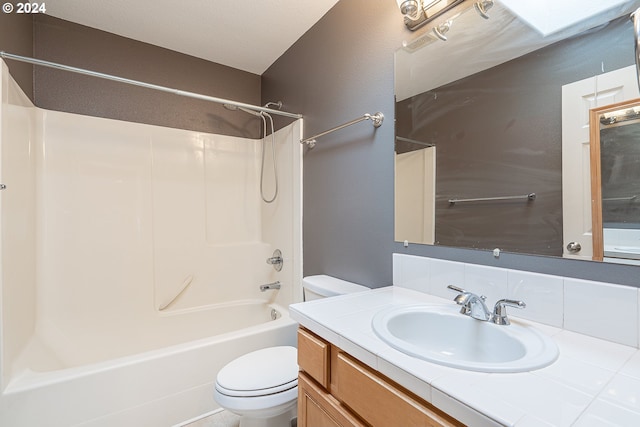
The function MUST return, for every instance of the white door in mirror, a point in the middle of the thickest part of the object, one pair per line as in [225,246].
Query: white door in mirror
[577,99]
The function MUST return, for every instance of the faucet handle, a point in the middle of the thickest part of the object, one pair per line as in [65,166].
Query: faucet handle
[463,294]
[500,310]
[456,289]
[276,260]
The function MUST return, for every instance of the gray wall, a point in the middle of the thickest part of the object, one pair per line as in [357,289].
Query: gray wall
[16,36]
[340,69]
[60,41]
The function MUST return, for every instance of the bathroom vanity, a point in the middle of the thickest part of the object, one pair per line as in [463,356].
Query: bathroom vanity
[351,377]
[335,389]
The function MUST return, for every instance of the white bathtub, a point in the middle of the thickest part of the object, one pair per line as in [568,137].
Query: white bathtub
[121,381]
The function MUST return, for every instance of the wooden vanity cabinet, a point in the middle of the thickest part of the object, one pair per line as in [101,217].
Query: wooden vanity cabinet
[336,389]
[317,407]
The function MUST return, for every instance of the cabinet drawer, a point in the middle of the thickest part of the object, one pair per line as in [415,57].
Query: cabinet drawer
[381,403]
[313,356]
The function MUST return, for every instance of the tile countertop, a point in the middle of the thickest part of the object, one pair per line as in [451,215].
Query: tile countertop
[593,382]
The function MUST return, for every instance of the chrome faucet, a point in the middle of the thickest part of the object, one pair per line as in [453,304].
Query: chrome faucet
[472,304]
[276,260]
[274,285]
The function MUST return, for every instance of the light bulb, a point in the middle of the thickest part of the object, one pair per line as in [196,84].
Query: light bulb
[409,8]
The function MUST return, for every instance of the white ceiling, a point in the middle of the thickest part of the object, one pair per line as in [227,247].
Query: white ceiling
[248,35]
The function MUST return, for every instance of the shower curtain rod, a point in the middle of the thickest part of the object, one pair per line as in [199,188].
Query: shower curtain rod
[179,92]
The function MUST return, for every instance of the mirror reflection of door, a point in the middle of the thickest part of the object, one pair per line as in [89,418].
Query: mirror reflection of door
[578,100]
[615,158]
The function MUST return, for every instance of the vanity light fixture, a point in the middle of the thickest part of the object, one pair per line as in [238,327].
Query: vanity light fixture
[409,8]
[417,13]
[442,29]
[482,7]
[614,117]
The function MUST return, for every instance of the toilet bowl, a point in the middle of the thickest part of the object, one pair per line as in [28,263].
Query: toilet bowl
[262,386]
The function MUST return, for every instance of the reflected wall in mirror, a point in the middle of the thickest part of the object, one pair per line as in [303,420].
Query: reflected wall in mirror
[415,179]
[489,102]
[615,183]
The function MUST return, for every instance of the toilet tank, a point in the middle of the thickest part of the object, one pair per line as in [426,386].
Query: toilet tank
[322,286]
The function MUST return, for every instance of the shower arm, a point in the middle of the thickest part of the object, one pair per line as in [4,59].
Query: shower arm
[376,118]
[179,92]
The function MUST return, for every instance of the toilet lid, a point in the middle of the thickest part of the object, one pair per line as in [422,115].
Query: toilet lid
[266,371]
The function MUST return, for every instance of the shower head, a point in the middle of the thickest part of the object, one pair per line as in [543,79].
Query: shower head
[246,110]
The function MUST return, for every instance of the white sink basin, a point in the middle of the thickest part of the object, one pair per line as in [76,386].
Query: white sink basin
[440,334]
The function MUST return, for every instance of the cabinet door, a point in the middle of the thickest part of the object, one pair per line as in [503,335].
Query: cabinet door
[317,408]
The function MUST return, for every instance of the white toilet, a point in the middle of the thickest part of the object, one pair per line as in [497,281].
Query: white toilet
[262,386]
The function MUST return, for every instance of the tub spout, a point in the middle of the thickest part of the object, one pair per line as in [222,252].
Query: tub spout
[274,285]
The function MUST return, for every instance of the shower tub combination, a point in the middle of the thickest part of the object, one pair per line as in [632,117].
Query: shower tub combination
[131,260]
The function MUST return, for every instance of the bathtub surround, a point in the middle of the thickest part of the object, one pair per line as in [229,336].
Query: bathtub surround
[103,222]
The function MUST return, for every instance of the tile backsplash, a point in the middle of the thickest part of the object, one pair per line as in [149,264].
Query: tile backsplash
[597,309]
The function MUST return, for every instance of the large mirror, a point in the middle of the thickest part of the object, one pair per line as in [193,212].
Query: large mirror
[492,125]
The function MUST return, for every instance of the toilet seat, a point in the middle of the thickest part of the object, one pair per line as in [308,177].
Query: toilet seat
[260,373]
[257,393]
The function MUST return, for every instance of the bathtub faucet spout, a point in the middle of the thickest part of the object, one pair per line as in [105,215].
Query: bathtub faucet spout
[274,285]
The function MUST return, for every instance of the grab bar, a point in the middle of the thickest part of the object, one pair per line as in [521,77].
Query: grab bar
[376,118]
[620,199]
[530,196]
